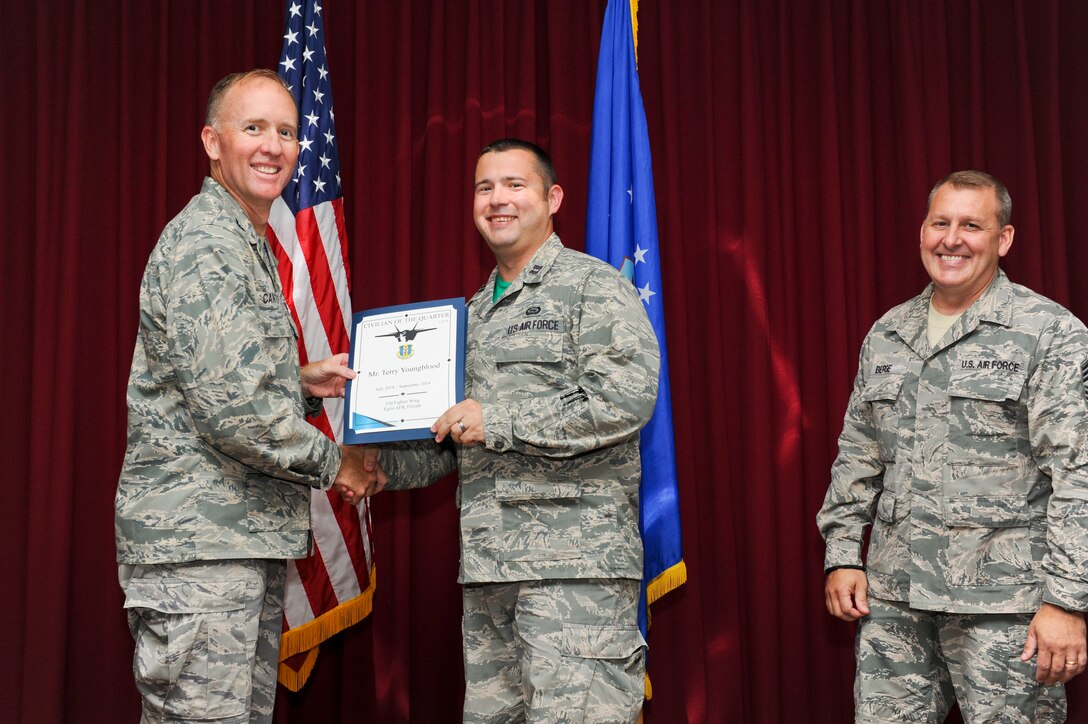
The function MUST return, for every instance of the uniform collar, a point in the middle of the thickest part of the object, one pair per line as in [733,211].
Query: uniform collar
[534,272]
[233,209]
[542,261]
[993,307]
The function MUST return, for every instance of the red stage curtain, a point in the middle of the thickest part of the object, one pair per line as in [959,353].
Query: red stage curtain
[794,144]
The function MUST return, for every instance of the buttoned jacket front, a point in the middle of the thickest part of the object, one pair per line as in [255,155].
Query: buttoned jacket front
[969,460]
[220,459]
[565,367]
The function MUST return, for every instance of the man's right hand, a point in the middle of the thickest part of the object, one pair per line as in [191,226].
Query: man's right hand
[359,476]
[846,594]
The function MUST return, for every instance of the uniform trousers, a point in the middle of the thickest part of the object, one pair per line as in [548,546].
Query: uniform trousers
[553,651]
[207,639]
[912,665]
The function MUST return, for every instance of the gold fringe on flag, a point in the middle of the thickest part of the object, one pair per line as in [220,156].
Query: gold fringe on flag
[672,577]
[308,636]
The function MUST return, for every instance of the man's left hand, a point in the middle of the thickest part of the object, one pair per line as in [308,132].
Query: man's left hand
[327,378]
[1057,636]
[464,422]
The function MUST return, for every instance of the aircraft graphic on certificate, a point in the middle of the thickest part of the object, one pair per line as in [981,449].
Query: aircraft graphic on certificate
[409,362]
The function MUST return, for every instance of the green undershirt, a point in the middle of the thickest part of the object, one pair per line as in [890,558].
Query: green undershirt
[500,288]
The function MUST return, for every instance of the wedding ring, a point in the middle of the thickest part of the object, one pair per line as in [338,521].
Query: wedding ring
[462,424]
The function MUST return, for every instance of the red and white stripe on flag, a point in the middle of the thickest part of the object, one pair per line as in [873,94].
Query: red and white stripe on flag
[332,588]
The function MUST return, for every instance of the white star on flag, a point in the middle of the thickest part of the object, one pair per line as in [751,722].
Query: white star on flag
[644,293]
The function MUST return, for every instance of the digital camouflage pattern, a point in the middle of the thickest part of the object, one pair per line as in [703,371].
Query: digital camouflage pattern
[574,656]
[220,459]
[565,366]
[207,639]
[970,460]
[897,681]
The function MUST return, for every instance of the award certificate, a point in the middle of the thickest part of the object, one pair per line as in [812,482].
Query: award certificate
[409,362]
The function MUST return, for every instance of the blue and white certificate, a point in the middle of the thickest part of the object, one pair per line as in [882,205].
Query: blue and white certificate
[410,365]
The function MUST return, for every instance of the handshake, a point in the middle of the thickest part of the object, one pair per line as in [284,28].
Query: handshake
[359,476]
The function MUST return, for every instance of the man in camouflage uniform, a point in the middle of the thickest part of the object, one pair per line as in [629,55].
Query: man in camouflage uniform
[214,493]
[965,446]
[561,374]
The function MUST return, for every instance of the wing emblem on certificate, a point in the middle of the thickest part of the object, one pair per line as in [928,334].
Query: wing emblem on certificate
[409,362]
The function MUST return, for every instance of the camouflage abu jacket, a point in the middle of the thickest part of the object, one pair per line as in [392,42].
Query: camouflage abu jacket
[565,366]
[970,460]
[220,458]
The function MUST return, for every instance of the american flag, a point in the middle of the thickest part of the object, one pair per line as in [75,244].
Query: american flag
[333,587]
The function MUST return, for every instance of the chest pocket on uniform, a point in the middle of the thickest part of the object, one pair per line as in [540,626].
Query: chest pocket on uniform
[541,349]
[986,402]
[534,361]
[278,344]
[277,324]
[882,395]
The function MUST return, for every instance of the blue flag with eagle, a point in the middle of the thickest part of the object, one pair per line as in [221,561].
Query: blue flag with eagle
[621,228]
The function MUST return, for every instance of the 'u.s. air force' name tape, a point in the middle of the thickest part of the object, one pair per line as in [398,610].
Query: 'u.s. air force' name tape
[550,325]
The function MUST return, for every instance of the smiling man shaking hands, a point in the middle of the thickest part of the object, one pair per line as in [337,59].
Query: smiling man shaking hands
[214,495]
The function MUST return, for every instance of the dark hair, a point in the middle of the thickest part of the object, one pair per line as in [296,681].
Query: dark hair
[543,162]
[219,91]
[977,180]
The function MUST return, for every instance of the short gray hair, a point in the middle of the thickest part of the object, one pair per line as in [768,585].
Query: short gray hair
[219,91]
[977,180]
